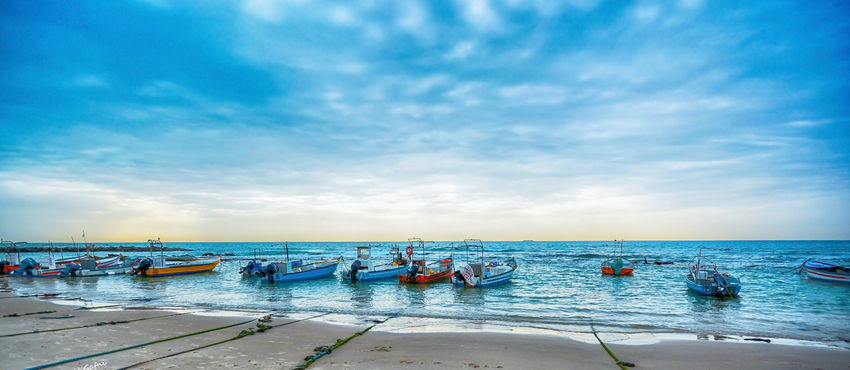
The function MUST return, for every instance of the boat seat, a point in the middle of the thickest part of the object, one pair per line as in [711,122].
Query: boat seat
[477,269]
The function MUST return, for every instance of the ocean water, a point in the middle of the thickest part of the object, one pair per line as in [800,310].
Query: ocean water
[558,287]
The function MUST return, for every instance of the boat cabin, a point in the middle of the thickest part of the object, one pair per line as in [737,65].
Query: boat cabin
[363,254]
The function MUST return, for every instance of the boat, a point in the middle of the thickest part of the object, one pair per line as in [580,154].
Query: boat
[13,257]
[290,271]
[46,266]
[158,266]
[616,264]
[704,279]
[420,270]
[363,268]
[252,267]
[477,274]
[826,271]
[92,266]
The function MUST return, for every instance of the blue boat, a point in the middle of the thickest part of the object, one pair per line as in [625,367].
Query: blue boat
[363,268]
[253,267]
[297,270]
[704,279]
[475,274]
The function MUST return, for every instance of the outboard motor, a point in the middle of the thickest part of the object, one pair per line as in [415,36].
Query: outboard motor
[459,275]
[269,271]
[247,268]
[354,268]
[72,269]
[411,272]
[3,265]
[27,265]
[721,282]
[143,267]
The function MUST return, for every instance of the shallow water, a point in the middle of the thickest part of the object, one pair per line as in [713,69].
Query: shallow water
[558,286]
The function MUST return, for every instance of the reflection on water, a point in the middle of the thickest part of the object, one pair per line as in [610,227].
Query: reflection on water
[558,286]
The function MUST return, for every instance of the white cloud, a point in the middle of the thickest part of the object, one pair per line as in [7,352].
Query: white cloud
[460,51]
[480,15]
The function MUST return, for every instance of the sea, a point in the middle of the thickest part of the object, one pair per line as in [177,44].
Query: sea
[557,288]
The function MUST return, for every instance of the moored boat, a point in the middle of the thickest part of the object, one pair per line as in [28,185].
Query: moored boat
[617,264]
[364,267]
[420,270]
[826,271]
[12,260]
[158,266]
[704,279]
[475,273]
[290,271]
[92,266]
[46,266]
[255,265]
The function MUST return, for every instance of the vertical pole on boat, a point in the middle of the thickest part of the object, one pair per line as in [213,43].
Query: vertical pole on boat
[286,247]
[161,251]
[77,247]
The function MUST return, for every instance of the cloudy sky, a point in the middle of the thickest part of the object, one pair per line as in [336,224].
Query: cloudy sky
[264,120]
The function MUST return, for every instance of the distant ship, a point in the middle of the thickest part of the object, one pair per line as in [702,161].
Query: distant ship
[528,240]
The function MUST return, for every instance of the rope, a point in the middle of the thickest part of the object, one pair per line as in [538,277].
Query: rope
[133,346]
[243,334]
[798,268]
[621,364]
[324,350]
[90,325]
[54,311]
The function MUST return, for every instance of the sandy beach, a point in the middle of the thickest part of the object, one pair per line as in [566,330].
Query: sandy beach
[286,346]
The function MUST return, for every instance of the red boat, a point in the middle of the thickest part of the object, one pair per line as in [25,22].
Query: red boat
[421,271]
[13,259]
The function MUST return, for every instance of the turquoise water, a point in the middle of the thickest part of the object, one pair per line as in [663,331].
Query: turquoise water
[558,286]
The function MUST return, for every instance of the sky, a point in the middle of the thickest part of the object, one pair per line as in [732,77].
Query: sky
[262,120]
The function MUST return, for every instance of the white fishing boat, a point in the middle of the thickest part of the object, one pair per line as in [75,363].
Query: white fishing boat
[475,273]
[366,268]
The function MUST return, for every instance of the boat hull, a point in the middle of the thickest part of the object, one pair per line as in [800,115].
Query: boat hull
[366,276]
[312,274]
[423,279]
[197,266]
[487,281]
[713,288]
[827,275]
[623,272]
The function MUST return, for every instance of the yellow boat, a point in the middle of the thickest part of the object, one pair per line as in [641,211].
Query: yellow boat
[155,267]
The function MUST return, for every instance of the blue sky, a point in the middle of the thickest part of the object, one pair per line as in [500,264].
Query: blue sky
[262,120]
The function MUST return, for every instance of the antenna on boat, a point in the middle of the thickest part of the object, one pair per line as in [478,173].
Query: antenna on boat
[286,247]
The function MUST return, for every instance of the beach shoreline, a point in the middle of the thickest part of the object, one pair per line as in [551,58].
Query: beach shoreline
[382,347]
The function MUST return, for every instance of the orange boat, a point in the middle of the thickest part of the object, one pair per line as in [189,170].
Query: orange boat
[156,267]
[616,264]
[420,270]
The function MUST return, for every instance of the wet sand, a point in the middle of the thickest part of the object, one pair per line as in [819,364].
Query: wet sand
[286,346]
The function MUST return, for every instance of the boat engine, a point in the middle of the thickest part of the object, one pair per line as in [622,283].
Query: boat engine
[269,271]
[27,265]
[721,283]
[72,269]
[247,268]
[354,268]
[411,272]
[143,267]
[3,265]
[459,276]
